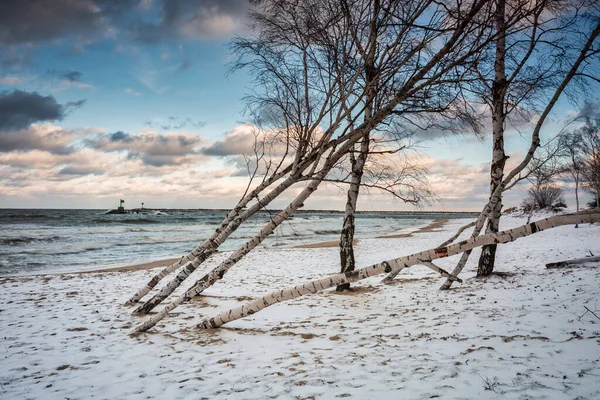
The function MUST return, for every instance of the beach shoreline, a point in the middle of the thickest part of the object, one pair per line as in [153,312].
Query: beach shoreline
[433,226]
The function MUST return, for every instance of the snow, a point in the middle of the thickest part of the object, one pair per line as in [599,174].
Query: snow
[515,336]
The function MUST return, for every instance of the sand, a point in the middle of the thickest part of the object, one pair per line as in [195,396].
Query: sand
[522,334]
[434,226]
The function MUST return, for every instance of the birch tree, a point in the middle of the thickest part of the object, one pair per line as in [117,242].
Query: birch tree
[417,68]
[565,58]
[425,258]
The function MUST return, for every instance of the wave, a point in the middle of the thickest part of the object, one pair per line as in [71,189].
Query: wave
[25,239]
[27,217]
[149,242]
[126,221]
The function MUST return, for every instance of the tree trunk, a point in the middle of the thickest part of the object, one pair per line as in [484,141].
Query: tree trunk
[401,262]
[217,273]
[347,260]
[233,217]
[577,194]
[499,88]
[211,246]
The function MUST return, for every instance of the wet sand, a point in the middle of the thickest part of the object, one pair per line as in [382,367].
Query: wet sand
[432,227]
[435,226]
[130,268]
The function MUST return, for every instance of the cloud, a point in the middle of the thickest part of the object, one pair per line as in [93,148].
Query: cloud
[11,80]
[150,147]
[19,109]
[194,20]
[131,92]
[590,109]
[47,137]
[70,76]
[175,124]
[40,21]
[81,170]
[237,141]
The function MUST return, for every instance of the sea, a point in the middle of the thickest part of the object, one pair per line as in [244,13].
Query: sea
[38,241]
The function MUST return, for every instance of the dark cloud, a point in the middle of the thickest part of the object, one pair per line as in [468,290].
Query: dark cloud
[26,22]
[193,19]
[20,109]
[120,136]
[40,20]
[153,149]
[590,109]
[71,76]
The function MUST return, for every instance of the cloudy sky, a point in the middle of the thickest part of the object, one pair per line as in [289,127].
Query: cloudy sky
[109,99]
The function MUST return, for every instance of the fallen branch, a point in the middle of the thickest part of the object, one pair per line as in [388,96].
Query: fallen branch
[397,263]
[457,234]
[590,311]
[451,278]
[568,263]
[442,272]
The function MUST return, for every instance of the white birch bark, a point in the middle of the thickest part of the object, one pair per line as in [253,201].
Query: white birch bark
[209,244]
[217,273]
[347,260]
[401,262]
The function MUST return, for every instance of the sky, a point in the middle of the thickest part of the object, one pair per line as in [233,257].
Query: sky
[102,100]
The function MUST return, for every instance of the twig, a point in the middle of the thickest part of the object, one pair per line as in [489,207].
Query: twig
[593,313]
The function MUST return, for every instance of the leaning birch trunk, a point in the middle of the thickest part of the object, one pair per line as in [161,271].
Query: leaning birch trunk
[499,87]
[212,245]
[387,266]
[347,260]
[217,273]
[535,144]
[209,243]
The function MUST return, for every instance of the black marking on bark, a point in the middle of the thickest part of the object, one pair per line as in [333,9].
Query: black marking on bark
[534,228]
[349,275]
[441,252]
[387,268]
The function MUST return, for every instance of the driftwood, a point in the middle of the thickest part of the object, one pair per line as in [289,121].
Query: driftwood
[394,264]
[568,263]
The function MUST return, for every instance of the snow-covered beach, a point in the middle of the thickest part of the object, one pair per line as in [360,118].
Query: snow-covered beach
[522,334]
